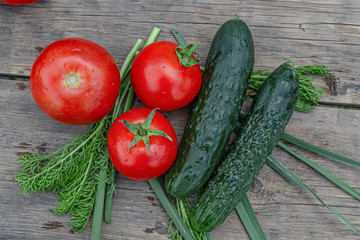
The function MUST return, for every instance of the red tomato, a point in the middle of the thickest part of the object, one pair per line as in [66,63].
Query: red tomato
[75,81]
[18,2]
[160,81]
[140,162]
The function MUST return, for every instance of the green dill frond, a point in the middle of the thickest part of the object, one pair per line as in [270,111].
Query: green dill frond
[71,173]
[184,208]
[309,94]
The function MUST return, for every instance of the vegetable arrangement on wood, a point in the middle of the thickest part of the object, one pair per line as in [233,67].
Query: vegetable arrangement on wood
[213,117]
[271,111]
[141,144]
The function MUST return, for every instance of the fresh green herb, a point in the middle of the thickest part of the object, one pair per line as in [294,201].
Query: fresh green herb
[183,207]
[249,219]
[301,143]
[283,171]
[71,173]
[309,95]
[170,209]
[340,183]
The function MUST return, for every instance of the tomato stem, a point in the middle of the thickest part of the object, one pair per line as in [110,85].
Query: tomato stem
[180,38]
[142,131]
[186,55]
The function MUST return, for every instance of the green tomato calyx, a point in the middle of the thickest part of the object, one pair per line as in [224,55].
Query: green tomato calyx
[142,132]
[185,55]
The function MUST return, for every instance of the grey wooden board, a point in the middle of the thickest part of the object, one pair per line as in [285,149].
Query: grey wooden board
[324,33]
[284,210]
[308,33]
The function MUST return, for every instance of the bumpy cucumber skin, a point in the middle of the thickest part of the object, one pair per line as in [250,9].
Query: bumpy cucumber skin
[227,73]
[272,109]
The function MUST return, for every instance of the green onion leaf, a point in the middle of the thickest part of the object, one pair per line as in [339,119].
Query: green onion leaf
[324,172]
[248,218]
[184,208]
[283,171]
[171,210]
[125,90]
[301,143]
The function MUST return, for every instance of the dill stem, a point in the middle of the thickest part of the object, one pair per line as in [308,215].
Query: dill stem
[61,161]
[89,165]
[258,77]
[109,192]
[98,209]
[129,58]
[108,197]
[124,74]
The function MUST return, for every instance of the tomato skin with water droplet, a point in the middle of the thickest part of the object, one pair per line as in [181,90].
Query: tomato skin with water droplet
[137,163]
[75,81]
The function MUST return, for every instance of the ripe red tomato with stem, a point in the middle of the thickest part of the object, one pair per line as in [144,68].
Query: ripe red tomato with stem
[18,2]
[142,144]
[75,81]
[165,76]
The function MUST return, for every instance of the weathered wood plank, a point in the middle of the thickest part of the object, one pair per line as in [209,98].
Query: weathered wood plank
[321,33]
[324,33]
[284,210]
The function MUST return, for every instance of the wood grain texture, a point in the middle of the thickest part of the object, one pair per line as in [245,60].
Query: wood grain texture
[284,210]
[324,33]
[321,33]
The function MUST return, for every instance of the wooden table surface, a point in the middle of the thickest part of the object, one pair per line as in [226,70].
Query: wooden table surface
[323,33]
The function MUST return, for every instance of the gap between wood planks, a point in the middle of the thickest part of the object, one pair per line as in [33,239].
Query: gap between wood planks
[353,106]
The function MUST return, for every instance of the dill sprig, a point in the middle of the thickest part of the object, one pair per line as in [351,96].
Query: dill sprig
[309,94]
[69,172]
[183,207]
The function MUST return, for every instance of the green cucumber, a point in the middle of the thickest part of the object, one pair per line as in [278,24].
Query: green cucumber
[227,74]
[271,110]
